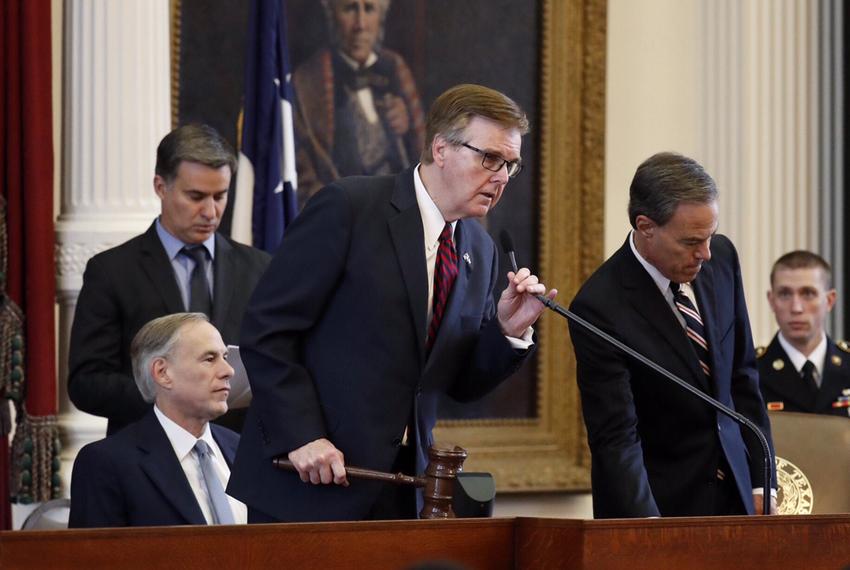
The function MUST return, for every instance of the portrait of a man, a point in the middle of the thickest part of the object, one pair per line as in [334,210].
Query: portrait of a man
[358,111]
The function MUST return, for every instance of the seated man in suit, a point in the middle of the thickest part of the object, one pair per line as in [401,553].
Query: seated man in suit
[803,370]
[170,467]
[180,264]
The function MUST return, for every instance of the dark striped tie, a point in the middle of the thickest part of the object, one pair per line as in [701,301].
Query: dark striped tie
[200,300]
[445,272]
[693,323]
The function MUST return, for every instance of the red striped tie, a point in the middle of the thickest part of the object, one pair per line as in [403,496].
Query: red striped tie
[445,272]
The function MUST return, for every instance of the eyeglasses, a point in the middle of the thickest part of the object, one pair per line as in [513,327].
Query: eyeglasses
[494,163]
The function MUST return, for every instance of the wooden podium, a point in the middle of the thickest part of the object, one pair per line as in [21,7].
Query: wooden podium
[809,542]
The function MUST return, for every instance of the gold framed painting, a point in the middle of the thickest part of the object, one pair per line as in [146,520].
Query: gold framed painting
[549,55]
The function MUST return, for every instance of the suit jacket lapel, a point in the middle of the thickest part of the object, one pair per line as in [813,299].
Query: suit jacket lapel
[157,267]
[405,225]
[831,382]
[224,273]
[228,452]
[163,469]
[646,299]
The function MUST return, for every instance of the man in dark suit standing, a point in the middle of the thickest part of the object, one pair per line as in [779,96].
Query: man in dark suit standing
[380,299]
[179,264]
[170,467]
[803,370]
[672,292]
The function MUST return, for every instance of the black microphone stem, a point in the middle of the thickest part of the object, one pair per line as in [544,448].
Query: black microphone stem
[719,406]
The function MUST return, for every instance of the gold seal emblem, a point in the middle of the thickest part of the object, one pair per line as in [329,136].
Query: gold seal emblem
[836,360]
[778,364]
[795,495]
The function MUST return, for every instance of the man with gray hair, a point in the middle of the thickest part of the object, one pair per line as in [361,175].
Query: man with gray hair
[672,292]
[181,263]
[172,466]
[358,110]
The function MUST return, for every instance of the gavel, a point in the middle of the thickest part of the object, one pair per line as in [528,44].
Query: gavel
[444,463]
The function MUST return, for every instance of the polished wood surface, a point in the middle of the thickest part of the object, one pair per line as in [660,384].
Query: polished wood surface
[474,543]
[810,542]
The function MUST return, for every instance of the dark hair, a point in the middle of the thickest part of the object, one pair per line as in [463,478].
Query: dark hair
[665,180]
[193,143]
[452,111]
[802,259]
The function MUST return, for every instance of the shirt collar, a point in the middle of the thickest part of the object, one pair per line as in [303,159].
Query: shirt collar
[661,282]
[173,245]
[181,440]
[432,220]
[370,61]
[798,359]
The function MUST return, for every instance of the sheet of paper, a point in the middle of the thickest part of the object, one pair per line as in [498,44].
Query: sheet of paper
[240,388]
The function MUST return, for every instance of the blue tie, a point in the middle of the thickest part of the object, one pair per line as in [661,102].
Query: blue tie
[219,505]
[199,287]
[693,323]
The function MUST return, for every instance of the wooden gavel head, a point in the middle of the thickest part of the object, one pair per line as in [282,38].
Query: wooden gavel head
[444,463]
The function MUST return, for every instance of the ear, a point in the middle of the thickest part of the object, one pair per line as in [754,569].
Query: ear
[645,226]
[159,372]
[159,186]
[770,299]
[831,296]
[439,148]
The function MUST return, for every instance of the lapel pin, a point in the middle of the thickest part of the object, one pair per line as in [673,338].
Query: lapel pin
[467,259]
[775,406]
[778,364]
[836,360]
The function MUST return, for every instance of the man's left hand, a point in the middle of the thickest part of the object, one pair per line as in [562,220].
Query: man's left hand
[396,114]
[518,307]
[758,503]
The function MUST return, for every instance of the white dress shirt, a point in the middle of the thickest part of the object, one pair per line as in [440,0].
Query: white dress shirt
[432,226]
[183,443]
[798,359]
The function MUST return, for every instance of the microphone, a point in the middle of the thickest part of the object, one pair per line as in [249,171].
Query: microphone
[508,247]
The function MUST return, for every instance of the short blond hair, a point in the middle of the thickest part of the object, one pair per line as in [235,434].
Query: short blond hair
[452,111]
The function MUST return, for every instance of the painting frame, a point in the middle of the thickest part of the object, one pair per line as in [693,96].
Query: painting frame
[547,452]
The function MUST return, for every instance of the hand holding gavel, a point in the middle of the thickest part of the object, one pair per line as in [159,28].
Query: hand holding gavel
[444,463]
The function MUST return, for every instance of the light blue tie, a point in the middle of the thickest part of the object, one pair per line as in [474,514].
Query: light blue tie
[218,499]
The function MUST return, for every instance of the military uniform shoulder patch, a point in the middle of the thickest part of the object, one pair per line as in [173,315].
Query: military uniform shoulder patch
[760,350]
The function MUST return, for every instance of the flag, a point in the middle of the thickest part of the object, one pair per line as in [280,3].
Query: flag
[266,180]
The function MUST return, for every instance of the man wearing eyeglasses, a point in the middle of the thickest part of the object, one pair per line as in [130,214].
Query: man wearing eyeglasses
[379,300]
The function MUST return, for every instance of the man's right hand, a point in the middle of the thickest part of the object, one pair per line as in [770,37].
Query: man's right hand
[319,462]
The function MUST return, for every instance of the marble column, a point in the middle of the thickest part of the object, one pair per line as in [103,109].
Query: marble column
[116,108]
[765,133]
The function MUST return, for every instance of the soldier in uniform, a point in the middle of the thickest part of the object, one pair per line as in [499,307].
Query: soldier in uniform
[802,369]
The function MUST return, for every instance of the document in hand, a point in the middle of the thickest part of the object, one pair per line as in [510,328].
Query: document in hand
[240,389]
